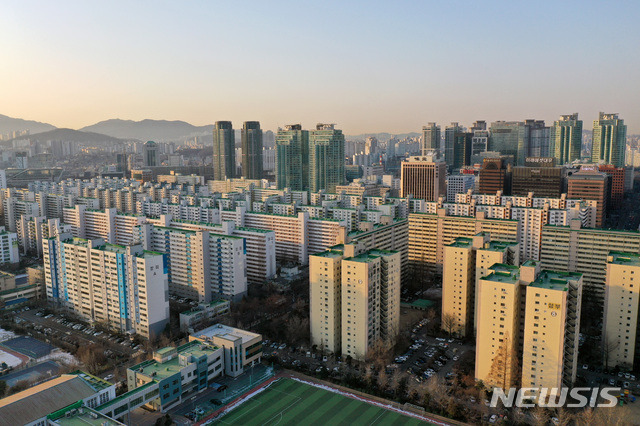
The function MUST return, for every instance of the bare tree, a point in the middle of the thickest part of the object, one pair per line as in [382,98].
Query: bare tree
[587,417]
[540,416]
[608,346]
[449,322]
[383,380]
[504,367]
[565,418]
[436,387]
[380,353]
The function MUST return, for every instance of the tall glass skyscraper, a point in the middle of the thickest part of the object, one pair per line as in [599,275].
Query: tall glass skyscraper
[224,151]
[326,158]
[251,150]
[566,139]
[520,139]
[609,140]
[449,143]
[292,158]
[431,137]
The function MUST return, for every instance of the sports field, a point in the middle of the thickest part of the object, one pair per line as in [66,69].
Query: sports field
[288,402]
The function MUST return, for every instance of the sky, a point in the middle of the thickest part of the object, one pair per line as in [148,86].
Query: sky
[369,66]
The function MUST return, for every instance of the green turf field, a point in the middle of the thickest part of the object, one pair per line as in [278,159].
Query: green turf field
[288,402]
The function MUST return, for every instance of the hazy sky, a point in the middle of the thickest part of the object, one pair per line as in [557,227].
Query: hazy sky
[369,66]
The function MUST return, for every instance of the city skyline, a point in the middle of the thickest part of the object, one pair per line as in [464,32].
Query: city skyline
[375,69]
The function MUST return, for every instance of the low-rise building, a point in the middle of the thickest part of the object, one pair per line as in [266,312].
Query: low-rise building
[242,348]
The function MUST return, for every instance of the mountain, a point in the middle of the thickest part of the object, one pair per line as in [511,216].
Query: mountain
[71,135]
[382,137]
[146,130]
[9,124]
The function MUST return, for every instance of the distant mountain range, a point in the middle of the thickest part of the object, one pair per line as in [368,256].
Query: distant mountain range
[9,124]
[71,135]
[145,130]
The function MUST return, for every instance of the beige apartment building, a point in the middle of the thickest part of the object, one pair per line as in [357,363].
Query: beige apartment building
[528,327]
[585,250]
[354,298]
[497,343]
[551,330]
[621,297]
[430,233]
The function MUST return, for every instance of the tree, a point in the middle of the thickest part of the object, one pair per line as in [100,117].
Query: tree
[165,420]
[383,381]
[449,322]
[540,416]
[565,418]
[504,367]
[609,345]
[3,388]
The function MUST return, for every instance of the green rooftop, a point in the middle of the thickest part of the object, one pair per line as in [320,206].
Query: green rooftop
[461,242]
[329,253]
[503,273]
[160,371]
[622,258]
[554,280]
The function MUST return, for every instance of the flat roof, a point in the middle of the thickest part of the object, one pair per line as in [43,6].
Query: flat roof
[172,366]
[622,258]
[499,245]
[226,332]
[462,242]
[555,280]
[503,273]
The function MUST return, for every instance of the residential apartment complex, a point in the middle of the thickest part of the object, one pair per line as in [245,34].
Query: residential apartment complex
[125,288]
[621,303]
[354,299]
[528,319]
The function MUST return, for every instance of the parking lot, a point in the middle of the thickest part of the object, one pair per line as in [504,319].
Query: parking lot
[76,332]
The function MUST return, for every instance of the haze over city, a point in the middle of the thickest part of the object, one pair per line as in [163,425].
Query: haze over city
[370,67]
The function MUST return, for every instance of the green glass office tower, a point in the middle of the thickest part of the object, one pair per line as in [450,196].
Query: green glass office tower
[251,150]
[224,151]
[508,138]
[292,158]
[566,139]
[609,140]
[449,143]
[461,150]
[431,137]
[326,158]
[150,154]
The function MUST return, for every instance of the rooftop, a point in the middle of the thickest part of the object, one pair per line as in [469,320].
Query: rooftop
[225,332]
[160,371]
[44,398]
[331,253]
[80,416]
[503,273]
[622,258]
[461,242]
[554,280]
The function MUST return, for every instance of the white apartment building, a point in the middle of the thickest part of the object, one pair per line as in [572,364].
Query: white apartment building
[201,264]
[125,288]
[9,252]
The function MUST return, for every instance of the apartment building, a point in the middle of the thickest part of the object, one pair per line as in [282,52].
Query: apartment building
[551,330]
[459,184]
[9,252]
[201,264]
[354,298]
[14,208]
[125,288]
[32,229]
[497,341]
[325,292]
[260,244]
[107,224]
[466,260]
[585,250]
[241,348]
[621,299]
[429,233]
